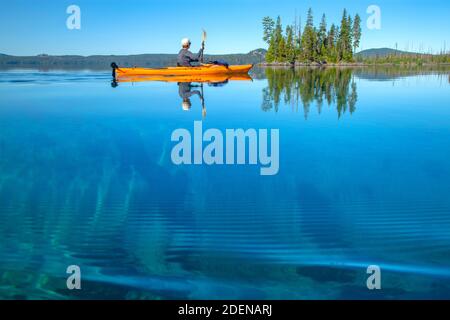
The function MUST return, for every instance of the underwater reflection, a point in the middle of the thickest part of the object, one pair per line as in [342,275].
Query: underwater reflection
[188,85]
[213,79]
[92,183]
[186,91]
[303,87]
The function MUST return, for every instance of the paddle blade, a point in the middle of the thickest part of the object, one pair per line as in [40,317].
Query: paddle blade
[203,35]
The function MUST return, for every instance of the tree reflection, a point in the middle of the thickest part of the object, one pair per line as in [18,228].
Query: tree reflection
[310,86]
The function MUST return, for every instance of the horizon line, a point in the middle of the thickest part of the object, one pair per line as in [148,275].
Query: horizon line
[161,53]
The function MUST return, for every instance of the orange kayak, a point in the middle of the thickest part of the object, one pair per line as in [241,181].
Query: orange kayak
[211,78]
[206,69]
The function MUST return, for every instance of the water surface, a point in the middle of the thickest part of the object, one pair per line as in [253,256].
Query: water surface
[86,179]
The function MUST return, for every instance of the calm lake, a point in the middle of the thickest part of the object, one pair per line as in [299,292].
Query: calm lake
[86,179]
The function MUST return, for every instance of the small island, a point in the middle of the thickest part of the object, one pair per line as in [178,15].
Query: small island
[336,45]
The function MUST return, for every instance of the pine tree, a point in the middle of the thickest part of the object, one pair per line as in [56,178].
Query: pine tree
[322,37]
[349,56]
[278,35]
[268,26]
[331,37]
[344,40]
[290,45]
[309,39]
[281,53]
[331,43]
[271,55]
[356,32]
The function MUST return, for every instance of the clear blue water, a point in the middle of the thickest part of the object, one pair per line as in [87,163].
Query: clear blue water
[86,179]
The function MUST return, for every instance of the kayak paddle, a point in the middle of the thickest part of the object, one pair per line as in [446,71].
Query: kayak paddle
[203,43]
[203,101]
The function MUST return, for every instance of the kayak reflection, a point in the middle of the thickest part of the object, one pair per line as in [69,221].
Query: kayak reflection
[213,79]
[188,85]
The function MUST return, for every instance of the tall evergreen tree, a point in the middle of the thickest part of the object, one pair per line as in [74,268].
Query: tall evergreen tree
[278,36]
[290,45]
[271,54]
[309,38]
[350,39]
[331,37]
[356,32]
[268,26]
[344,41]
[322,38]
[281,53]
[331,43]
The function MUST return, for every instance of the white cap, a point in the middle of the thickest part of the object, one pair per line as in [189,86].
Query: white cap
[185,42]
[186,105]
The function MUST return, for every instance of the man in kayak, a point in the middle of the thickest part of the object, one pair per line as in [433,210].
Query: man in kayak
[185,57]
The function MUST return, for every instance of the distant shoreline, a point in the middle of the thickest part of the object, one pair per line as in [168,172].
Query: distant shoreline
[258,65]
[371,57]
[104,61]
[347,64]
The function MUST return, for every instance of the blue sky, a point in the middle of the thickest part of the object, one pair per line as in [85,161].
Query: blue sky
[156,26]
